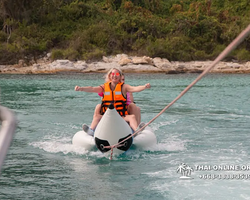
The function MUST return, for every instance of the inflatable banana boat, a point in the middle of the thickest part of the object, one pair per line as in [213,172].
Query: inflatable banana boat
[113,129]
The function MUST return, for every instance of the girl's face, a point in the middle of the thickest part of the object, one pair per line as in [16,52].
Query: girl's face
[115,76]
[123,79]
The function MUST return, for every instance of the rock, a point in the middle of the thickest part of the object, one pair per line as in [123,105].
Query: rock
[118,57]
[139,68]
[36,67]
[181,69]
[80,65]
[233,65]
[101,67]
[124,61]
[61,65]
[163,64]
[21,63]
[149,60]
[48,55]
[106,59]
[139,60]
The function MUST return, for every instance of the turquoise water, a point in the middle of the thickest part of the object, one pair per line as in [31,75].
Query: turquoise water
[208,126]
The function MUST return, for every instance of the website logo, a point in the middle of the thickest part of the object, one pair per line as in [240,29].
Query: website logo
[185,171]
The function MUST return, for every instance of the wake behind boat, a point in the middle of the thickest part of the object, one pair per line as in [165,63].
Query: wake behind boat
[111,130]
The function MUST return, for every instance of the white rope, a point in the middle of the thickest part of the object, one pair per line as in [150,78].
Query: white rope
[222,55]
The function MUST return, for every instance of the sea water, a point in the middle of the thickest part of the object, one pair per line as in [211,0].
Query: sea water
[202,149]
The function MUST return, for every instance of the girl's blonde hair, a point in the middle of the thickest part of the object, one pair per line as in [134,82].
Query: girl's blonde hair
[107,76]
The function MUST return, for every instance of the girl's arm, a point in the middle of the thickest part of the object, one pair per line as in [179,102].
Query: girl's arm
[129,88]
[97,89]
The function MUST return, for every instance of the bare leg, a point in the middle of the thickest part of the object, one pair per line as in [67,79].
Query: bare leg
[135,110]
[139,114]
[132,121]
[96,117]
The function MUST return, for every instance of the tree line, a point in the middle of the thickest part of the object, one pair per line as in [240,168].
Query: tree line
[89,29]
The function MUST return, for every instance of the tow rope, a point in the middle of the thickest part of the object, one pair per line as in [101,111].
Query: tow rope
[222,55]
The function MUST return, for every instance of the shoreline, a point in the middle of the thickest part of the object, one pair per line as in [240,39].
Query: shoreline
[126,64]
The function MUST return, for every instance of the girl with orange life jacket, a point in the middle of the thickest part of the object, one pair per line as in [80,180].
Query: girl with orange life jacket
[133,109]
[114,76]
[116,97]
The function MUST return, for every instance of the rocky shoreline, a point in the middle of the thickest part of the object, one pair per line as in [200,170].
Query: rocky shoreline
[126,63]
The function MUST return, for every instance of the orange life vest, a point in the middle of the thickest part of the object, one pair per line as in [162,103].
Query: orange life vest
[116,97]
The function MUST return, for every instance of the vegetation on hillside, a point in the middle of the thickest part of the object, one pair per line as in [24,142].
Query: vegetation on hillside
[89,29]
